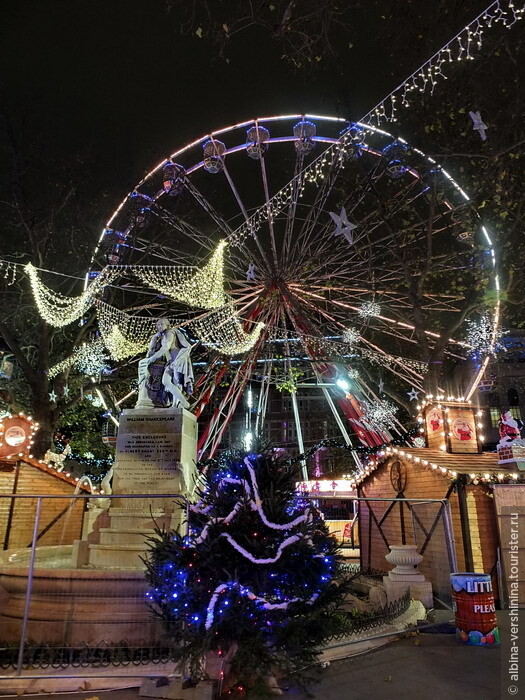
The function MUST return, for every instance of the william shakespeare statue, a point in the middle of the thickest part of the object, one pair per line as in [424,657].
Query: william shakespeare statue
[166,371]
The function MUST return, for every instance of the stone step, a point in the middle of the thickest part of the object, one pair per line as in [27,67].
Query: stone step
[141,520]
[109,535]
[125,556]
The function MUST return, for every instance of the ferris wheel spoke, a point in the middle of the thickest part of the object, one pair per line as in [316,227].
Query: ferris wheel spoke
[391,295]
[183,227]
[269,217]
[349,405]
[291,210]
[401,327]
[208,208]
[264,260]
[211,438]
[310,231]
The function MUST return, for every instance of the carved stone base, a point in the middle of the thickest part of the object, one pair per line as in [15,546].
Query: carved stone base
[419,590]
[156,454]
[405,575]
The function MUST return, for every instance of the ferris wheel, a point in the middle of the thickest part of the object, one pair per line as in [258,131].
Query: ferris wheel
[329,254]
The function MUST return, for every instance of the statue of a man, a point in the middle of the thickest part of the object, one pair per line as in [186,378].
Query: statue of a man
[166,369]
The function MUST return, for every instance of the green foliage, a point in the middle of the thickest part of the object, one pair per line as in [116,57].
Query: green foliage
[215,600]
[83,425]
[289,381]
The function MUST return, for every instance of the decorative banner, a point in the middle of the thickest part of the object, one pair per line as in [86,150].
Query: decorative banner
[16,436]
[461,429]
[434,425]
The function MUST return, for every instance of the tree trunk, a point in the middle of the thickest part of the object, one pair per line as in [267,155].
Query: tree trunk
[46,416]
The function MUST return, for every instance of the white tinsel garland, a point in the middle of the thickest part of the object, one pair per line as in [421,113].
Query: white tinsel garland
[210,611]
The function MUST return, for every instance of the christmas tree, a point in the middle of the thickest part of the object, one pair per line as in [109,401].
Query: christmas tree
[255,579]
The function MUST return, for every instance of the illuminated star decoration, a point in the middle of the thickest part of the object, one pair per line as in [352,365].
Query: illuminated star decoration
[413,394]
[52,396]
[381,386]
[342,225]
[250,273]
[478,125]
[66,391]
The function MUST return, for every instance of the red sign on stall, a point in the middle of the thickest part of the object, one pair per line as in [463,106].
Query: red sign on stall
[16,436]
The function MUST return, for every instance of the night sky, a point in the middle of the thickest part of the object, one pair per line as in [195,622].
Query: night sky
[115,79]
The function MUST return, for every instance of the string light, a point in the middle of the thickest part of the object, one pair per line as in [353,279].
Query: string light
[221,329]
[474,478]
[90,359]
[203,288]
[10,272]
[223,332]
[59,310]
[483,337]
[380,414]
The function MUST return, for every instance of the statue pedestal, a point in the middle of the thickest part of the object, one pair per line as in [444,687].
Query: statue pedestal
[156,454]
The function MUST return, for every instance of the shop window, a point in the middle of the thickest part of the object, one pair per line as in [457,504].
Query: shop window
[513,397]
[495,414]
[515,412]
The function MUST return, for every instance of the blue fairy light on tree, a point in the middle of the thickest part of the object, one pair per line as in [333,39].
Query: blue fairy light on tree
[254,579]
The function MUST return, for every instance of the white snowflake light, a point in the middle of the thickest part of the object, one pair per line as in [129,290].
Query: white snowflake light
[369,309]
[92,358]
[381,414]
[419,442]
[351,336]
[352,373]
[483,337]
[95,400]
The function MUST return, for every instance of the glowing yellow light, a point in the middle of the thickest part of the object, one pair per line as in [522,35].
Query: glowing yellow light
[202,288]
[58,310]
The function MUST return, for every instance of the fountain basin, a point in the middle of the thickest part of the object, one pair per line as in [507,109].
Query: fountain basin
[74,606]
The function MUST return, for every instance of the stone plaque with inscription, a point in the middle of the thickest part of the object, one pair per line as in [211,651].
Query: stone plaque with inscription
[156,451]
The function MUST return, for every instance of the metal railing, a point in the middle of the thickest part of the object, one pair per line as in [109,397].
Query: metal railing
[21,656]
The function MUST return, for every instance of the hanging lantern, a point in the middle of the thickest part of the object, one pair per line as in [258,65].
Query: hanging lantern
[304,132]
[140,205]
[173,178]
[115,240]
[395,152]
[256,145]
[465,237]
[488,384]
[213,154]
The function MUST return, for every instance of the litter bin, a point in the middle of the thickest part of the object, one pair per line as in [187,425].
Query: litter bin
[473,603]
